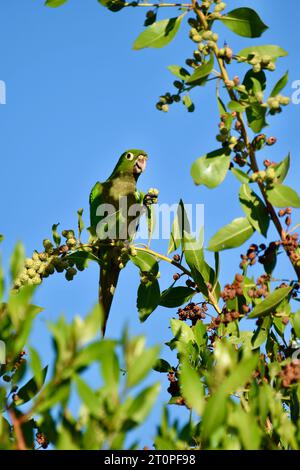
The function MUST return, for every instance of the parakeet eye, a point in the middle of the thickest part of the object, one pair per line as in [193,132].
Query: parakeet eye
[129,156]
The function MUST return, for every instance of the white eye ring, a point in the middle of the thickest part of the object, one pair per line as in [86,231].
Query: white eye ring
[130,156]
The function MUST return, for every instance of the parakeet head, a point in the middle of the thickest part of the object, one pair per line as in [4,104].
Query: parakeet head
[132,162]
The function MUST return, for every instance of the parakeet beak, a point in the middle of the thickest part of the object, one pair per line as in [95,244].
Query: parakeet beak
[140,164]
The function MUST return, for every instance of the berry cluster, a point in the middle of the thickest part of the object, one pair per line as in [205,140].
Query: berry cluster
[262,289]
[275,103]
[224,318]
[53,259]
[290,374]
[250,257]
[258,62]
[193,312]
[232,290]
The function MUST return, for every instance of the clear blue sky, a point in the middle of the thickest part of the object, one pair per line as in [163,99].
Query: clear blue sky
[77,96]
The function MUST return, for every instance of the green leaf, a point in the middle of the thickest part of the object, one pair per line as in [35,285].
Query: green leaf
[17,260]
[244,22]
[179,72]
[180,225]
[159,34]
[88,396]
[148,299]
[146,262]
[269,304]
[202,71]
[182,331]
[271,50]
[256,116]
[55,234]
[176,296]
[295,320]
[283,196]
[192,388]
[188,103]
[80,222]
[240,175]
[232,235]
[211,169]
[141,366]
[143,403]
[236,106]
[280,85]
[194,256]
[254,209]
[261,333]
[281,170]
[110,368]
[162,366]
[31,388]
[89,354]
[36,367]
[54,3]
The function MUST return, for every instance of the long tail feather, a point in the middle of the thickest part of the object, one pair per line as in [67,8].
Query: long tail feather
[107,285]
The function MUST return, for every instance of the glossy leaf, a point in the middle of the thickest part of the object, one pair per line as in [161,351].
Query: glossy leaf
[176,296]
[256,116]
[192,388]
[240,175]
[179,72]
[232,235]
[244,22]
[211,169]
[283,196]
[31,388]
[141,366]
[280,85]
[269,304]
[181,331]
[54,3]
[162,366]
[159,34]
[282,169]
[148,299]
[188,103]
[202,71]
[143,403]
[271,50]
[254,209]
[145,262]
[180,225]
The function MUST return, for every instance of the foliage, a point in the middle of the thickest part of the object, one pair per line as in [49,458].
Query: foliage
[238,379]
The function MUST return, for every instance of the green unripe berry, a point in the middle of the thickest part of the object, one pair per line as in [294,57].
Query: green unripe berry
[69,276]
[207,35]
[31,272]
[256,68]
[29,262]
[215,37]
[266,59]
[24,278]
[215,15]
[270,173]
[233,140]
[35,256]
[284,100]
[165,108]
[36,280]
[17,284]
[71,242]
[43,256]
[271,67]
[49,269]
[47,244]
[196,38]
[220,7]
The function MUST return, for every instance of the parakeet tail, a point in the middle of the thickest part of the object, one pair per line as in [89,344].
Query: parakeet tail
[107,285]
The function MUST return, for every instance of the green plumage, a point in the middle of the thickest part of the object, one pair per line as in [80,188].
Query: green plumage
[121,184]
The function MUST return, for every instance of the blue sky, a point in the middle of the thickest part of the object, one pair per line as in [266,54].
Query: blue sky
[77,96]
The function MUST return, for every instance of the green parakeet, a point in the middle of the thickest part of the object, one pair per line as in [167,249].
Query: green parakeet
[105,206]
